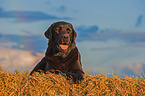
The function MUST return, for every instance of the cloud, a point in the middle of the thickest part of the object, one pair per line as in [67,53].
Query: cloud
[134,45]
[128,36]
[86,33]
[91,29]
[93,33]
[48,2]
[14,59]
[33,43]
[61,9]
[1,9]
[139,21]
[131,69]
[29,16]
[26,32]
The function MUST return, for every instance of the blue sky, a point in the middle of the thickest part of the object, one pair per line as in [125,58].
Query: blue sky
[110,32]
[36,15]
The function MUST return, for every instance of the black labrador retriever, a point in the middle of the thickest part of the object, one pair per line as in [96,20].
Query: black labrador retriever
[62,54]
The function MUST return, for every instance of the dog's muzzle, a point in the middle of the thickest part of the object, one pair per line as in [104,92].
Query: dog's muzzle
[63,42]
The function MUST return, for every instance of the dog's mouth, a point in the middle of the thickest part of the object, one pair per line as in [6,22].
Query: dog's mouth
[62,46]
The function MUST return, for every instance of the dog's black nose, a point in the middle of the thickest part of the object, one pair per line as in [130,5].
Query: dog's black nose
[65,36]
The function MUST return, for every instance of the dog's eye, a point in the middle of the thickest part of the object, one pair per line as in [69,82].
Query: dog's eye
[57,30]
[68,30]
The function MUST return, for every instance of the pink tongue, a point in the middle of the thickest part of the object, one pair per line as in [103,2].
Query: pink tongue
[64,47]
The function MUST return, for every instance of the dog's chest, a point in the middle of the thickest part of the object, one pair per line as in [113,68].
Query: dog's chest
[61,63]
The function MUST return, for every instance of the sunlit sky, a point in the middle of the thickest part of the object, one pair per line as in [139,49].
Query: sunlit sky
[123,43]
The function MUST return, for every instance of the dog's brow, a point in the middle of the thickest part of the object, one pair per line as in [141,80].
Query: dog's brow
[57,28]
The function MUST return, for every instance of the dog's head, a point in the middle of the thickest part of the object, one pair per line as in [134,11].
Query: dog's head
[62,34]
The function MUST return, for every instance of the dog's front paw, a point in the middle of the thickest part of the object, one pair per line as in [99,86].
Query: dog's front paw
[78,77]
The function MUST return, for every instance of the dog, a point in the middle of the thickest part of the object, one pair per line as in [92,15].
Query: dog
[62,54]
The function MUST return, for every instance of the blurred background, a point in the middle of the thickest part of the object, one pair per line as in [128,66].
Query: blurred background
[111,33]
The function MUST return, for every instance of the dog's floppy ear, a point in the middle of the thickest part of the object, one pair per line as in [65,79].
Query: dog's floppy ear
[74,33]
[48,33]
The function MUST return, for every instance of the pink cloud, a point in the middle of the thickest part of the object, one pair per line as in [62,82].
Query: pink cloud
[15,59]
